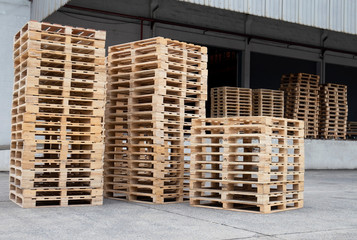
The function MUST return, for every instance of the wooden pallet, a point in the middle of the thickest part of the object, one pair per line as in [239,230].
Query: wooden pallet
[301,100]
[333,111]
[231,101]
[352,130]
[60,197]
[155,88]
[267,102]
[162,46]
[253,164]
[57,116]
[57,29]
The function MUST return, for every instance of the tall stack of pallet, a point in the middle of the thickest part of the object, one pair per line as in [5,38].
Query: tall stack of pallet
[155,88]
[231,101]
[352,130]
[267,102]
[58,107]
[247,164]
[301,97]
[333,111]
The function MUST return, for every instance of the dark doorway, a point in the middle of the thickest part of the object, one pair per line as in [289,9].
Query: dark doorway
[266,70]
[347,76]
[222,70]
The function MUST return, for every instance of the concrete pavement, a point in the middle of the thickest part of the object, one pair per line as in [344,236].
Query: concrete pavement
[330,212]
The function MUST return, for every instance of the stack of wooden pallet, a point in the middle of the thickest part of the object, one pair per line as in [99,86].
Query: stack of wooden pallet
[231,101]
[58,106]
[352,129]
[155,88]
[247,164]
[267,102]
[301,97]
[333,111]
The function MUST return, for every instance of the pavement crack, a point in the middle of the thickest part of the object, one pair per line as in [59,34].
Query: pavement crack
[208,221]
[254,237]
[319,231]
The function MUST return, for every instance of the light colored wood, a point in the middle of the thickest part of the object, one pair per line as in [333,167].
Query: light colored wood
[267,102]
[301,99]
[57,116]
[247,163]
[231,101]
[333,111]
[155,88]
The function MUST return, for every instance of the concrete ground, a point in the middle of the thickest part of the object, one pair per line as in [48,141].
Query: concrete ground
[330,212]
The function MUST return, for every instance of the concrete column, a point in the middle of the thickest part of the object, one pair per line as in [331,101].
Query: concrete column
[239,69]
[246,66]
[321,69]
[246,54]
[154,5]
[321,66]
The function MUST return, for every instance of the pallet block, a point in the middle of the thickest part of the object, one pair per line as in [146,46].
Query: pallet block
[57,116]
[253,164]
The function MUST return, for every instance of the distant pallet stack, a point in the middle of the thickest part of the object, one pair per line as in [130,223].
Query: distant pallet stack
[231,101]
[253,164]
[333,111]
[301,98]
[267,102]
[58,107]
[352,130]
[155,88]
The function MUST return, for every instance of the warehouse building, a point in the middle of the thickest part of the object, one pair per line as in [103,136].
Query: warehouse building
[250,44]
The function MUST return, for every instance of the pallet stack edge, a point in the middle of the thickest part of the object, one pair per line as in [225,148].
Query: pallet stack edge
[57,116]
[155,88]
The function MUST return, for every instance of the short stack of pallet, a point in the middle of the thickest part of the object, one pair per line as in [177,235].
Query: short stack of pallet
[155,88]
[251,164]
[267,102]
[333,111]
[301,97]
[231,101]
[352,130]
[58,107]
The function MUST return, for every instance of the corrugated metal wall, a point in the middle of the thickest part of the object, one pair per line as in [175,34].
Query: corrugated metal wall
[336,15]
[40,9]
